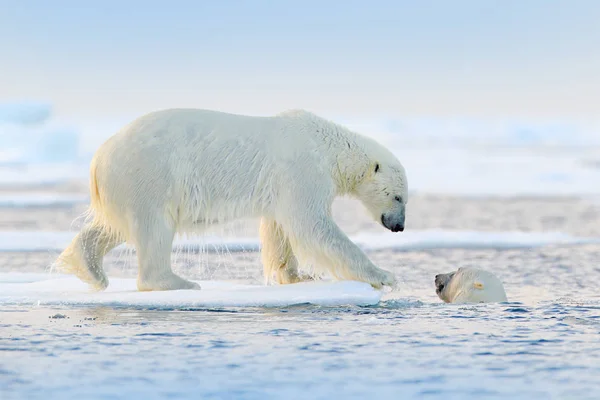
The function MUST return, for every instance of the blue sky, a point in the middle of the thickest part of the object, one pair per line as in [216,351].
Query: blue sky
[479,57]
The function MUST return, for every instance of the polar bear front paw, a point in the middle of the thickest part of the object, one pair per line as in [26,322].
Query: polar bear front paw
[383,278]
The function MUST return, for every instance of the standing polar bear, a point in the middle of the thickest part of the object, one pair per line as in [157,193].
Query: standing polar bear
[180,170]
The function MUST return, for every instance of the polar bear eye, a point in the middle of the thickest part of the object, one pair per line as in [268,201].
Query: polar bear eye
[398,199]
[376,167]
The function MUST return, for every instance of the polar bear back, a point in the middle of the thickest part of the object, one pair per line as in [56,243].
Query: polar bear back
[183,153]
[209,166]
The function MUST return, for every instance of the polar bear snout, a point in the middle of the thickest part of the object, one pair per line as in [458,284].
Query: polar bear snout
[441,281]
[393,222]
[439,286]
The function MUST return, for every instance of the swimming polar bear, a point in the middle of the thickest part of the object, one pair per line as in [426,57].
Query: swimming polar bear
[180,170]
[469,285]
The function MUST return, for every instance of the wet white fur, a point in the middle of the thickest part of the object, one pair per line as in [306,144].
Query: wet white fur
[180,170]
[473,285]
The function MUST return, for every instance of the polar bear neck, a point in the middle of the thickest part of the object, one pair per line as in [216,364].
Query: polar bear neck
[350,163]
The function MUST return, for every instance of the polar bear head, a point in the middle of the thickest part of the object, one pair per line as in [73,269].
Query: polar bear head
[469,285]
[383,189]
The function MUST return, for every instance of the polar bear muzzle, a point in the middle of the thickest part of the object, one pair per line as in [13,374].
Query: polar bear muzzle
[394,222]
[441,282]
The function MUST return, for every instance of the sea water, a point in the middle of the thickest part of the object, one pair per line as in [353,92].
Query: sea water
[522,203]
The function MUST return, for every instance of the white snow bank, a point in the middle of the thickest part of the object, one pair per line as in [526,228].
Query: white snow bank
[22,241]
[47,289]
[32,174]
[33,199]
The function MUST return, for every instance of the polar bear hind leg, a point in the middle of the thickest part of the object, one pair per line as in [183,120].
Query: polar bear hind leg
[277,256]
[153,241]
[83,257]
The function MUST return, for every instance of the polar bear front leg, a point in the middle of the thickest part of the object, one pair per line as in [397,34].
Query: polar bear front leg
[276,254]
[320,239]
[154,242]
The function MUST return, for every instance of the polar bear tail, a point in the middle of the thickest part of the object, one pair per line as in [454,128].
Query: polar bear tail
[95,201]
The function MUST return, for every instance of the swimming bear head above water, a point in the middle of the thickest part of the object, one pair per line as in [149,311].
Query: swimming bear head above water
[469,285]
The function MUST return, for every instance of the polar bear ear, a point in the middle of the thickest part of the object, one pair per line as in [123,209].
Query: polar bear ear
[478,285]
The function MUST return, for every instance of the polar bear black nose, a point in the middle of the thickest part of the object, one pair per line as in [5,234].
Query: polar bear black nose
[398,228]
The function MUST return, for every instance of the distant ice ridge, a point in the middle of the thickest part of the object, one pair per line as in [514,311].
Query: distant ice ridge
[41,199]
[54,289]
[36,174]
[502,171]
[492,157]
[476,132]
[29,135]
[23,241]
[460,156]
[31,113]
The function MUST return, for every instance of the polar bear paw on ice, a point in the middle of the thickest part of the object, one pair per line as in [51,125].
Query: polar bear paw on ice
[180,170]
[469,285]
